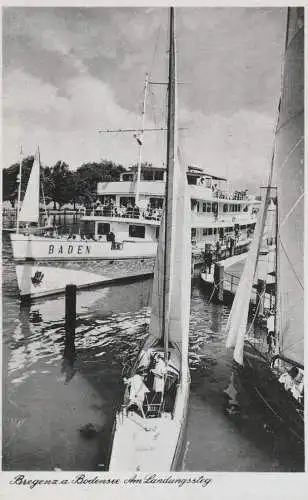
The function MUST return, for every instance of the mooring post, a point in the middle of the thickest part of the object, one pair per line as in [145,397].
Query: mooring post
[218,282]
[70,315]
[261,285]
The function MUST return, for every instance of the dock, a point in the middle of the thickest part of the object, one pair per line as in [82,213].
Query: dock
[229,282]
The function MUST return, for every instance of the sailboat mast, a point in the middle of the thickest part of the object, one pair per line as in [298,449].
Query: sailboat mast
[19,190]
[140,139]
[169,167]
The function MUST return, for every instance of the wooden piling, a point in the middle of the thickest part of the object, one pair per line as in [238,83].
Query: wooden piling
[70,315]
[218,295]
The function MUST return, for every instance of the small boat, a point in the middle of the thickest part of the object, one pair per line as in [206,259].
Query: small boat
[149,428]
[270,365]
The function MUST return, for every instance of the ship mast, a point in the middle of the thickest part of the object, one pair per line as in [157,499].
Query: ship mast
[19,190]
[140,138]
[169,168]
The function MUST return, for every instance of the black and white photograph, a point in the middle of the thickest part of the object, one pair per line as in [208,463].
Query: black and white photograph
[152,240]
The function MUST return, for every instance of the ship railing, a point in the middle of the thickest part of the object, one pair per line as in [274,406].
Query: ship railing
[231,283]
[134,213]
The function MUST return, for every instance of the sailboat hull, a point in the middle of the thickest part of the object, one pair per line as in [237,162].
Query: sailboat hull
[148,444]
[154,441]
[284,412]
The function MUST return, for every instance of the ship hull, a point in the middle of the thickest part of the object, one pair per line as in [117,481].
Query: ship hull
[42,278]
[44,266]
[27,247]
[153,442]
[147,445]
[285,414]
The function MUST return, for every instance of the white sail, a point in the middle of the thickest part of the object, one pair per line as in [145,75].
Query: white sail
[29,211]
[172,276]
[237,321]
[290,173]
[157,306]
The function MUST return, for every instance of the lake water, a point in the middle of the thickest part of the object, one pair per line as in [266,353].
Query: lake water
[50,399]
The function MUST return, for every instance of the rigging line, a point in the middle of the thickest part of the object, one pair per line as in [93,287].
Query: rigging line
[291,152]
[156,44]
[292,209]
[155,120]
[289,346]
[291,265]
[292,117]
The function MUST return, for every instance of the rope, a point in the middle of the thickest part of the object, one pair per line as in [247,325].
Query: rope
[216,285]
[294,272]
[292,209]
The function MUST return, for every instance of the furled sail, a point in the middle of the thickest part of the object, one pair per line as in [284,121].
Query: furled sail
[237,321]
[29,211]
[172,276]
[290,174]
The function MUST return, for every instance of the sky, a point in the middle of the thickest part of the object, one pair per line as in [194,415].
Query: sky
[70,72]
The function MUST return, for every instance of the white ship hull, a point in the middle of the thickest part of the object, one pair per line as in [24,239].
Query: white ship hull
[30,247]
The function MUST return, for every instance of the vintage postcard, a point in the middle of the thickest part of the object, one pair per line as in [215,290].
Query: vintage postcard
[153,251]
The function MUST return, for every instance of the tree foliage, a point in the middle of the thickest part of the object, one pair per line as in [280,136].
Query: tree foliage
[60,184]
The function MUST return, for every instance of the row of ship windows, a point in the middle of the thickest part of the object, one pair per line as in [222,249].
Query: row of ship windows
[208,231]
[213,207]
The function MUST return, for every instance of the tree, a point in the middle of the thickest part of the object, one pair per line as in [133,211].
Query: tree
[88,175]
[10,184]
[60,183]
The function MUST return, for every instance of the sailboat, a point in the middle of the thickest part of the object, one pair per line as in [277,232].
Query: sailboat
[29,211]
[272,367]
[149,427]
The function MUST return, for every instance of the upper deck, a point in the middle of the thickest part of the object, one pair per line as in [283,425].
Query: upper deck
[202,186]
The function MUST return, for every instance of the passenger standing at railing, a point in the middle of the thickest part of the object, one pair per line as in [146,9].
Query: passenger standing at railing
[129,210]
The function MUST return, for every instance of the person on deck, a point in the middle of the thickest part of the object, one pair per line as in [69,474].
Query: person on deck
[208,261]
[159,371]
[137,391]
[111,237]
[270,333]
[290,380]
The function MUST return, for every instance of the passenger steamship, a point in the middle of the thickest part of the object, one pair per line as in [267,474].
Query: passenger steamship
[125,225]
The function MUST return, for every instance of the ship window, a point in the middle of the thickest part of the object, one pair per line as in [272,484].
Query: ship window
[215,208]
[210,230]
[225,207]
[204,207]
[208,207]
[136,231]
[128,177]
[159,176]
[193,232]
[103,228]
[147,175]
[191,179]
[204,232]
[156,202]
[215,230]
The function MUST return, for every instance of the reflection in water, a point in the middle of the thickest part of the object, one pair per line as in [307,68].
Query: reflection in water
[54,397]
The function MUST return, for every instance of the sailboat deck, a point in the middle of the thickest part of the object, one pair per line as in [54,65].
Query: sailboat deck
[145,443]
